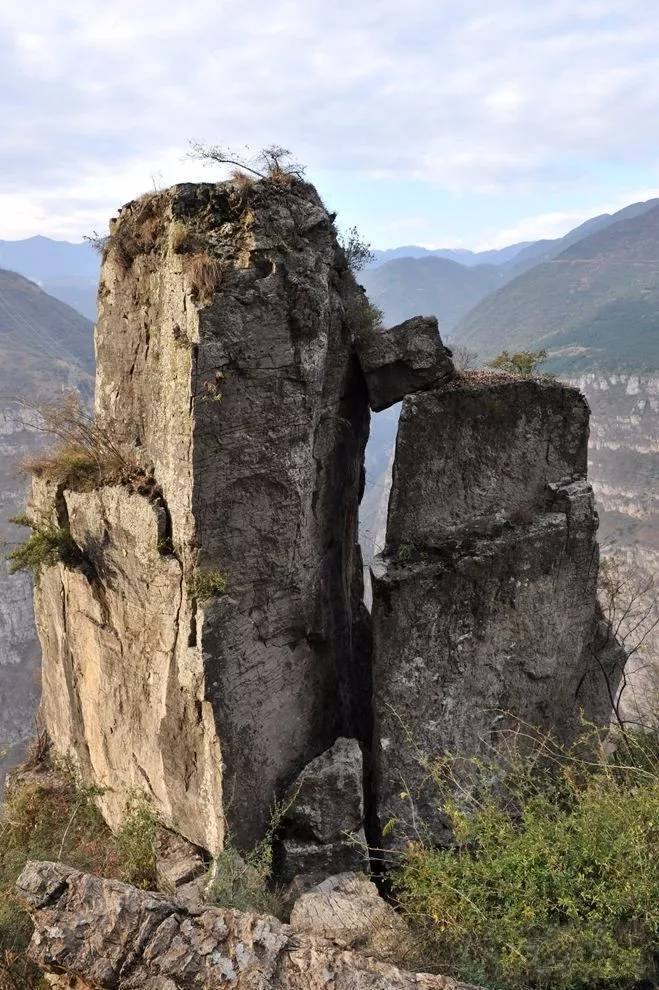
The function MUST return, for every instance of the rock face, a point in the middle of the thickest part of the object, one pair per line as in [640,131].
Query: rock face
[211,646]
[484,602]
[323,829]
[226,365]
[110,935]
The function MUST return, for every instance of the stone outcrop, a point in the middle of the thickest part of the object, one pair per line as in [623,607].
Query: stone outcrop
[213,639]
[402,359]
[111,936]
[349,910]
[323,828]
[210,647]
[225,364]
[484,602]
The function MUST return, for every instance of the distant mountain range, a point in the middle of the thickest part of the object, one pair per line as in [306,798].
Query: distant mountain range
[593,305]
[45,347]
[430,286]
[64,270]
[496,256]
[515,299]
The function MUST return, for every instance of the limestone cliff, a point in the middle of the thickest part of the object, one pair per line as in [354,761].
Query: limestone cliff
[484,601]
[225,364]
[208,644]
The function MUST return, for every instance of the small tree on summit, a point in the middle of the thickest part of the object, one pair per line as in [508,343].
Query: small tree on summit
[524,363]
[272,162]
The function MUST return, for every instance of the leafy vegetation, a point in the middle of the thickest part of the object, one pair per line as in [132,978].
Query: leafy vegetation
[357,251]
[244,880]
[207,584]
[47,544]
[521,363]
[553,880]
[136,843]
[51,816]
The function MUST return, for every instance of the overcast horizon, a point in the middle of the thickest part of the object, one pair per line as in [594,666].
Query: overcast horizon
[433,126]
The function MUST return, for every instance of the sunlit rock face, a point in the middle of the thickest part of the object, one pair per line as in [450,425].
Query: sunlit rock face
[226,365]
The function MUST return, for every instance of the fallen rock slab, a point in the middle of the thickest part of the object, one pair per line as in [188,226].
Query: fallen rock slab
[111,935]
[349,910]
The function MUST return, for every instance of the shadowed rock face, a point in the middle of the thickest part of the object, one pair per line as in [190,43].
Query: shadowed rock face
[226,365]
[485,602]
[402,359]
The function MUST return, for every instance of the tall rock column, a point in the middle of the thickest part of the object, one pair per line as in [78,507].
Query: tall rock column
[203,650]
[484,601]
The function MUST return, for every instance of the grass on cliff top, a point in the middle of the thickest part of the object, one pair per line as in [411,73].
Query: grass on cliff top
[51,817]
[553,881]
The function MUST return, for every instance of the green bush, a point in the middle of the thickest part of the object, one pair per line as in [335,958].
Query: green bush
[55,818]
[48,544]
[244,880]
[136,844]
[208,584]
[553,879]
[524,363]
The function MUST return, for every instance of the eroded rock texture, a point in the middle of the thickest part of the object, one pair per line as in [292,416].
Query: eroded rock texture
[226,366]
[402,359]
[484,602]
[110,935]
[323,827]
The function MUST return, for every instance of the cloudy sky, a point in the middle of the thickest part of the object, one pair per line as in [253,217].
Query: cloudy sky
[476,124]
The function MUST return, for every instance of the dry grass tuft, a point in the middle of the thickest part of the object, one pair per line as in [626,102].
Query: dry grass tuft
[85,454]
[138,231]
[204,275]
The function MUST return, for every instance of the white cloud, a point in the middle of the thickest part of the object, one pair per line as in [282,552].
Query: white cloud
[469,97]
[543,226]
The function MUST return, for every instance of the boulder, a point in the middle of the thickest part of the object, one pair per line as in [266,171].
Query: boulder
[473,455]
[348,910]
[111,936]
[323,828]
[402,359]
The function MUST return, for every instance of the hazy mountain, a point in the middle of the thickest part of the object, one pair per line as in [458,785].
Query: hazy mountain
[64,270]
[496,256]
[428,286]
[594,306]
[45,346]
[545,250]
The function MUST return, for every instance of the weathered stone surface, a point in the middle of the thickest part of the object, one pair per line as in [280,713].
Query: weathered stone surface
[402,359]
[348,910]
[485,603]
[323,830]
[178,862]
[119,688]
[226,366]
[113,936]
[475,454]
